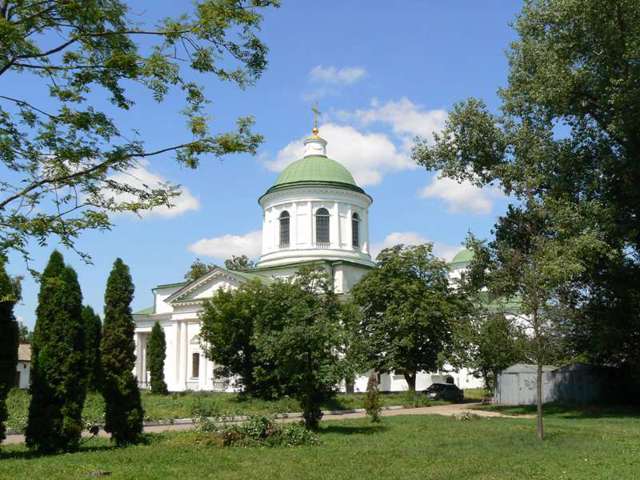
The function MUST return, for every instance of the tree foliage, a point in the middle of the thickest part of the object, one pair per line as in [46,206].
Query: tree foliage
[58,362]
[239,263]
[197,269]
[68,158]
[372,403]
[538,250]
[156,354]
[409,311]
[227,330]
[123,409]
[93,334]
[9,295]
[568,130]
[281,338]
[498,343]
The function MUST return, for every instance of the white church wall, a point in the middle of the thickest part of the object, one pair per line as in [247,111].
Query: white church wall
[161,294]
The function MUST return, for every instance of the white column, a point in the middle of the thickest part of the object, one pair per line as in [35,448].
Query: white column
[177,352]
[334,226]
[185,357]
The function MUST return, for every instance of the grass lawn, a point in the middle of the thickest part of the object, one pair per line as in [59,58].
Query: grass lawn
[409,447]
[190,404]
[568,411]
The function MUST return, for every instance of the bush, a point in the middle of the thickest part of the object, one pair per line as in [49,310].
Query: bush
[257,431]
[372,403]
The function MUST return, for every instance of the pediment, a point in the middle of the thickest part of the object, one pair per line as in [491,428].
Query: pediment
[205,287]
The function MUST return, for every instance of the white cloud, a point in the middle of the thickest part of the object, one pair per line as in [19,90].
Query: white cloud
[461,196]
[405,118]
[336,76]
[140,177]
[227,245]
[440,249]
[368,156]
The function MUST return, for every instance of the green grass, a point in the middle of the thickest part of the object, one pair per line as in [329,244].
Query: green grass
[568,411]
[190,404]
[409,447]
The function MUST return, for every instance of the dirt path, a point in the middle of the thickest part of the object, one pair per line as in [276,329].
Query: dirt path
[446,410]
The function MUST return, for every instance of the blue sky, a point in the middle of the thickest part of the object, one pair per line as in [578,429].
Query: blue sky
[381,72]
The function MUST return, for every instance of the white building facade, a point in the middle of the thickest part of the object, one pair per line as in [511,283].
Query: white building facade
[314,213]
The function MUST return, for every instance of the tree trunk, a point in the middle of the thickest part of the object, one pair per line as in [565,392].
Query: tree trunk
[411,381]
[540,426]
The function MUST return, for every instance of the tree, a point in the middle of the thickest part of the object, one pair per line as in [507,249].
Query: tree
[227,330]
[25,335]
[299,340]
[9,295]
[499,343]
[69,160]
[123,409]
[156,353]
[568,130]
[197,269]
[537,252]
[239,264]
[93,334]
[409,310]
[58,362]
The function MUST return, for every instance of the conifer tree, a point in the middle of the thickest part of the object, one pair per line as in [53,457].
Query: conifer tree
[93,334]
[124,413]
[58,372]
[8,342]
[156,352]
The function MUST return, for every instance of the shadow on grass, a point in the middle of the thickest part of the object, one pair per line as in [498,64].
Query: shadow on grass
[353,429]
[30,455]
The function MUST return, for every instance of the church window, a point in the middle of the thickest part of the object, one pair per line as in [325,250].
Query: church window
[284,229]
[355,230]
[195,365]
[322,227]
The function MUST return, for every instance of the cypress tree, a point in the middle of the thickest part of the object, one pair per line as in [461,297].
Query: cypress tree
[58,365]
[123,415]
[156,352]
[8,342]
[93,334]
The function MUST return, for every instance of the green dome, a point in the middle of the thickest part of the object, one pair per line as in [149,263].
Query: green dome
[463,256]
[315,170]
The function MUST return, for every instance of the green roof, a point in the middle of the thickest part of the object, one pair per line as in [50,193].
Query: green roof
[463,256]
[145,311]
[313,170]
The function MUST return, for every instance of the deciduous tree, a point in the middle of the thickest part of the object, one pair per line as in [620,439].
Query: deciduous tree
[568,130]
[409,311]
[69,157]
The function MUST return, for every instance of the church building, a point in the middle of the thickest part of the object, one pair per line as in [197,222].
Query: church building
[314,213]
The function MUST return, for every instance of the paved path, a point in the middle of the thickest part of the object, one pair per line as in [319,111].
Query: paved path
[446,410]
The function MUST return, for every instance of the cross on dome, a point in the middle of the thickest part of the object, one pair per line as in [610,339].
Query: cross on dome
[315,145]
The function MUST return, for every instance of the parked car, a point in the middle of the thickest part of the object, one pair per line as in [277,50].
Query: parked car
[444,391]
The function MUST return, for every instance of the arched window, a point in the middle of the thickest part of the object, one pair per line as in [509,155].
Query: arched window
[322,227]
[355,230]
[284,229]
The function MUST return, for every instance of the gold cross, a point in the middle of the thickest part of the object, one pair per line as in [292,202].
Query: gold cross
[316,114]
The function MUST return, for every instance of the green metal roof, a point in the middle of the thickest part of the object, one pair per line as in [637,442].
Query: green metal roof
[463,256]
[145,311]
[314,170]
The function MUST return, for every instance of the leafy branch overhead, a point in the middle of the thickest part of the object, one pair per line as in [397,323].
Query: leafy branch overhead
[60,154]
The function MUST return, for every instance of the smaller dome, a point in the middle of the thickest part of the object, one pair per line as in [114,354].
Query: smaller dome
[463,256]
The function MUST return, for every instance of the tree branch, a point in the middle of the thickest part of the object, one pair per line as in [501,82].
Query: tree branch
[87,171]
